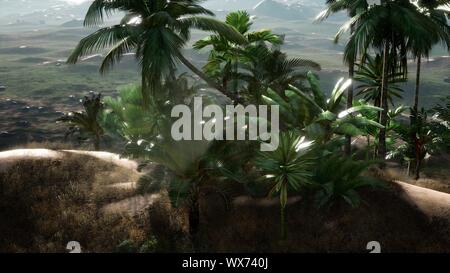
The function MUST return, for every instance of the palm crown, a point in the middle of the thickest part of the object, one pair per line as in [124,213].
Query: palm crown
[156,30]
[224,59]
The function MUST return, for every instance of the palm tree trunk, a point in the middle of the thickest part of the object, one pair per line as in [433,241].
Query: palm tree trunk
[235,82]
[418,166]
[172,74]
[199,73]
[351,72]
[416,97]
[382,149]
[413,116]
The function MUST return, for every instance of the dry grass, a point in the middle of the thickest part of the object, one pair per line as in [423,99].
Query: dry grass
[46,203]
[253,226]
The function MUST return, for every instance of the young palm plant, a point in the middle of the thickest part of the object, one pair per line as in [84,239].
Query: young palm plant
[157,31]
[339,178]
[224,59]
[370,77]
[86,123]
[266,67]
[320,118]
[289,168]
[441,121]
[426,141]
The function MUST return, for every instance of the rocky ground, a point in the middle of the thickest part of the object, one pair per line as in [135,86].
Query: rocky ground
[23,122]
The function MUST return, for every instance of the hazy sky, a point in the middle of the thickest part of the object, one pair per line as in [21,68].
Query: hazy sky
[81,1]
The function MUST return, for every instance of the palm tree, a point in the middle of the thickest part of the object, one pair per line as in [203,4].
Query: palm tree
[369,75]
[439,18]
[87,122]
[156,30]
[270,68]
[441,34]
[318,117]
[190,166]
[352,7]
[339,178]
[390,28]
[289,168]
[224,59]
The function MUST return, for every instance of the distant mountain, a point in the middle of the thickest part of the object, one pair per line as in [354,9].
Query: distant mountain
[229,5]
[26,6]
[293,11]
[284,9]
[59,11]
[38,11]
[73,23]
[249,5]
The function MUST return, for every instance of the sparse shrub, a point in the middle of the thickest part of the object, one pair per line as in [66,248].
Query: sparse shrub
[127,246]
[149,246]
[337,178]
[86,124]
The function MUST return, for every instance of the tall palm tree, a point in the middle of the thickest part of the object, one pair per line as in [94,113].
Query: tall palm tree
[439,18]
[157,30]
[390,28]
[224,59]
[352,7]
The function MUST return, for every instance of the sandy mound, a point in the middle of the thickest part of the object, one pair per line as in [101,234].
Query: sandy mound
[48,198]
[431,203]
[10,157]
[109,157]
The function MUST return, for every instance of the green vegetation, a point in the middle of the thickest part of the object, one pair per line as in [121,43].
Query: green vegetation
[86,123]
[249,67]
[315,159]
[224,59]
[157,31]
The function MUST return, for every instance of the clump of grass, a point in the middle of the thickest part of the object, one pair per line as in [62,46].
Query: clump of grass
[46,203]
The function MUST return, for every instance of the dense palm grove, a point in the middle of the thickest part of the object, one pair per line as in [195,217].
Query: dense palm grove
[315,158]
